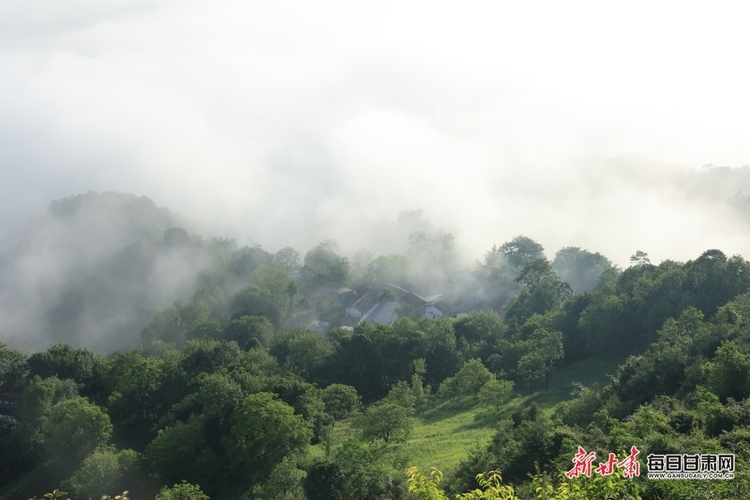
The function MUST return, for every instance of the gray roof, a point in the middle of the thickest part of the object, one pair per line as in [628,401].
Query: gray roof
[400,292]
[295,275]
[330,287]
[413,300]
[465,307]
[364,303]
[319,326]
[384,313]
[440,305]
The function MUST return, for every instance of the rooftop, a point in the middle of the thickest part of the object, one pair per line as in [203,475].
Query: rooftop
[384,313]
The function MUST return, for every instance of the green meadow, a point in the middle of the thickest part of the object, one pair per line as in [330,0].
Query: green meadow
[444,435]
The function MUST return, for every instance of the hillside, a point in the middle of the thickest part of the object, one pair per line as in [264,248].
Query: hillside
[93,269]
[277,376]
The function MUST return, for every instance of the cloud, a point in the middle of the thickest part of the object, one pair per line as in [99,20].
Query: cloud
[288,122]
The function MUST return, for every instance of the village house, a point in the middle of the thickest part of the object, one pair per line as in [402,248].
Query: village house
[362,306]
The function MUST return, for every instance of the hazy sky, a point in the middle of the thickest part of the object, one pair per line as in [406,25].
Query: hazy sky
[286,122]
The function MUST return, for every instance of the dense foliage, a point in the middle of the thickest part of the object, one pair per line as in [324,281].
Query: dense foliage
[228,396]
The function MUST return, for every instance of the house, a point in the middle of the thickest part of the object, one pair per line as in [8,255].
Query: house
[8,404]
[465,308]
[295,275]
[340,294]
[361,306]
[454,304]
[383,313]
[410,299]
[307,320]
[319,326]
[436,309]
[397,291]
[431,306]
[335,293]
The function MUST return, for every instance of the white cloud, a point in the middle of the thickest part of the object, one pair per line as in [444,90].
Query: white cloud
[288,122]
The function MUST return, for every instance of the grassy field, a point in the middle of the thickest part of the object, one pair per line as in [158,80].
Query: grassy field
[444,435]
[34,483]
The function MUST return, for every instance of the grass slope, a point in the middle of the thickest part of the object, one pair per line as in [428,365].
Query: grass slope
[444,435]
[34,483]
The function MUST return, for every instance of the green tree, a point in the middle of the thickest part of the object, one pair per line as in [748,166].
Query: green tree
[306,401]
[210,356]
[550,348]
[250,331]
[104,470]
[521,250]
[603,324]
[74,428]
[241,265]
[490,488]
[423,487]
[729,373]
[205,330]
[287,259]
[580,410]
[494,392]
[274,280]
[263,431]
[182,491]
[169,325]
[214,300]
[181,451]
[478,330]
[256,301]
[387,269]
[490,484]
[284,483]
[639,258]
[530,366]
[12,463]
[467,382]
[13,370]
[324,481]
[364,477]
[302,352]
[581,268]
[441,353]
[534,272]
[542,292]
[402,395]
[341,400]
[218,394]
[269,294]
[33,409]
[386,421]
[323,264]
[135,382]
[64,362]
[419,391]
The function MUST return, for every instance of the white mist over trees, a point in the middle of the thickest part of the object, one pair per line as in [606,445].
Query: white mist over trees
[95,269]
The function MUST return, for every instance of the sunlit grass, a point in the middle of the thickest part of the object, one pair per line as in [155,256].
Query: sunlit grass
[445,434]
[34,483]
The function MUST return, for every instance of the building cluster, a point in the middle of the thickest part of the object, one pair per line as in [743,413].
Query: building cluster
[381,306]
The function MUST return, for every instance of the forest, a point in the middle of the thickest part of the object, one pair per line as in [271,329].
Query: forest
[170,364]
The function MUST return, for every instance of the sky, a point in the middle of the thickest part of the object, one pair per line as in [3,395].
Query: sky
[288,122]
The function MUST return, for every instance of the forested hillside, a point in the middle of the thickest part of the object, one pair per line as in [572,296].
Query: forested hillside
[94,268]
[278,375]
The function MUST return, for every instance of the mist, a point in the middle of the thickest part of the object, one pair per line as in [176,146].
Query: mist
[287,124]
